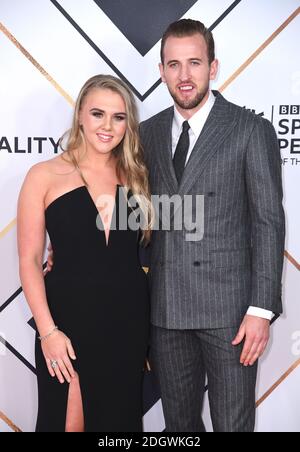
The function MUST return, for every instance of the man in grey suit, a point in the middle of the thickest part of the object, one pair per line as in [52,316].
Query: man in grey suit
[212,299]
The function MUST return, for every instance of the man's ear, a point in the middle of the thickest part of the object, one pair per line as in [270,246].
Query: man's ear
[162,72]
[214,66]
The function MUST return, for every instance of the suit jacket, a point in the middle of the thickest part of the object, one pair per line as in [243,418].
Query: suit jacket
[236,165]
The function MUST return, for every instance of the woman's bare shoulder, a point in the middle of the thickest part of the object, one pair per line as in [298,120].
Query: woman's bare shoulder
[48,169]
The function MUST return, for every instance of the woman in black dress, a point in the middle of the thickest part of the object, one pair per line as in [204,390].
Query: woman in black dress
[92,309]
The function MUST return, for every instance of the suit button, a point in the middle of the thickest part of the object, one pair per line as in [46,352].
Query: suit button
[196,264]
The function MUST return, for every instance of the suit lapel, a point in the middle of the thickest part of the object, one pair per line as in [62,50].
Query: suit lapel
[163,150]
[217,127]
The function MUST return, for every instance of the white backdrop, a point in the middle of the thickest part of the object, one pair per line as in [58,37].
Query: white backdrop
[48,49]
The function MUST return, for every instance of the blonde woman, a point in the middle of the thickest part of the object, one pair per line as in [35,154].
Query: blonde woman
[92,309]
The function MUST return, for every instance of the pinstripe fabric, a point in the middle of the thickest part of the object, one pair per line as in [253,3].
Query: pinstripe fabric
[236,165]
[176,359]
[179,359]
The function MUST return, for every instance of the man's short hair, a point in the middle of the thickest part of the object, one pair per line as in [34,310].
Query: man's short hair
[189,27]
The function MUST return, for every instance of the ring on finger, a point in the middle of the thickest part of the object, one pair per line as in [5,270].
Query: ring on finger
[53,363]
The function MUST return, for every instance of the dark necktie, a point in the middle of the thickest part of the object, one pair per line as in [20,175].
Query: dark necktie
[181,151]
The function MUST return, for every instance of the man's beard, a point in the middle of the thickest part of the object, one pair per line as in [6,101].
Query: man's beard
[189,104]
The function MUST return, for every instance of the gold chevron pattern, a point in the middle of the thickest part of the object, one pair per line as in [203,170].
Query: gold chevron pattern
[232,78]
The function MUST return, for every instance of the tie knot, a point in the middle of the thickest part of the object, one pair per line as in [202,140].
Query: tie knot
[185,126]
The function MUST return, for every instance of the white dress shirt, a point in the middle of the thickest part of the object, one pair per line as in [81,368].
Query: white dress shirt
[196,123]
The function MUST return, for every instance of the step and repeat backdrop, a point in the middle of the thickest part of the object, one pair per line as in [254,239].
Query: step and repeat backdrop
[48,49]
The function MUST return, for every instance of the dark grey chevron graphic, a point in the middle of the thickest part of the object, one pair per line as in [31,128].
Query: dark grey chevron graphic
[10,299]
[105,58]
[17,354]
[228,10]
[15,294]
[30,323]
[142,21]
[274,318]
[151,393]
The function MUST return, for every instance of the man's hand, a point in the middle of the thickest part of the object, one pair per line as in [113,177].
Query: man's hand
[256,333]
[50,258]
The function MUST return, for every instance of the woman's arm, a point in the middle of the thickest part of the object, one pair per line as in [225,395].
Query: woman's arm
[31,243]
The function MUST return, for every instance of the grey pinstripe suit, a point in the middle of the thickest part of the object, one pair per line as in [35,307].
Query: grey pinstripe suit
[208,285]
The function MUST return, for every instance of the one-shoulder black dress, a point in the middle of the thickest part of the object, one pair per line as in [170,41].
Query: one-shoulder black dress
[98,296]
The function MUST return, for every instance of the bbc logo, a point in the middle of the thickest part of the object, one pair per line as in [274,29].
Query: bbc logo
[289,109]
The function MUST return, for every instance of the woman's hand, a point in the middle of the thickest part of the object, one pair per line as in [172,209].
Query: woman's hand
[50,258]
[58,350]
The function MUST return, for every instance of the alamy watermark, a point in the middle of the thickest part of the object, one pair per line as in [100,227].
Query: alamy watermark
[296,343]
[171,213]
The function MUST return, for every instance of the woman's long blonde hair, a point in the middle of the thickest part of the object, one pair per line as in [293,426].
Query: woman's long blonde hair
[129,154]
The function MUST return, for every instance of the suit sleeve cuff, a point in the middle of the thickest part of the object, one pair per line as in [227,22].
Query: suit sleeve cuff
[259,312]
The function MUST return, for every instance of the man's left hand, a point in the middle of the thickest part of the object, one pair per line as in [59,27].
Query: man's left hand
[256,331]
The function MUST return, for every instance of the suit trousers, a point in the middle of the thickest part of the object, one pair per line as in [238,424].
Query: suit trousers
[181,359]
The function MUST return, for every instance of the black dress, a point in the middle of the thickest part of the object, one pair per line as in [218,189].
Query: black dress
[98,296]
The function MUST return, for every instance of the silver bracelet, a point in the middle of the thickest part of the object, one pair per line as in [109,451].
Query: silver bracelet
[41,338]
